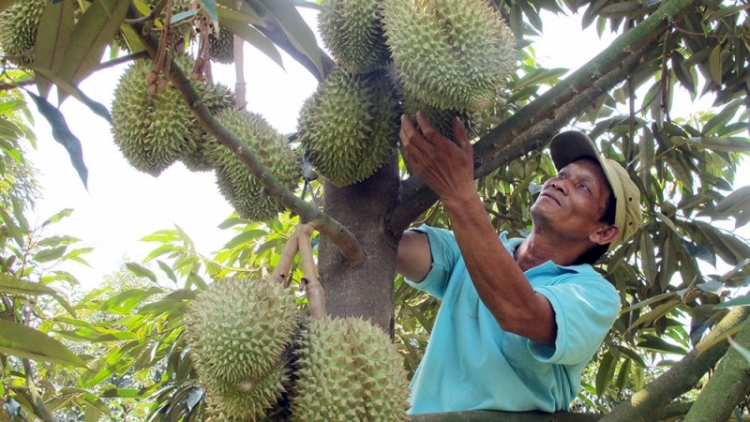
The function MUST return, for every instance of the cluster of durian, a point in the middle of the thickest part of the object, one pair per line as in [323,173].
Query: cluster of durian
[260,362]
[18,29]
[446,58]
[154,131]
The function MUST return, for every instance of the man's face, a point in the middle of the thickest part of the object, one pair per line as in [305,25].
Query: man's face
[572,203]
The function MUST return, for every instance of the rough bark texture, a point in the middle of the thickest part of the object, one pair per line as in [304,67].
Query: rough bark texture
[366,289]
[727,387]
[678,379]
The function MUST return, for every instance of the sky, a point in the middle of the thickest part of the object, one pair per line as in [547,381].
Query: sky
[122,205]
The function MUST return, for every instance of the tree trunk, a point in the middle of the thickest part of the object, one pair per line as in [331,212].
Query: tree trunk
[727,387]
[366,289]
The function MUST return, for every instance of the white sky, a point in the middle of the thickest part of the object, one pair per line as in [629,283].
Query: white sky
[123,205]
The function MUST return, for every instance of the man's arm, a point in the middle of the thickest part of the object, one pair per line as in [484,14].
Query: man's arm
[414,258]
[448,170]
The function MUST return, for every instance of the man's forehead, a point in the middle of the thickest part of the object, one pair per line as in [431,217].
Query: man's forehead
[591,169]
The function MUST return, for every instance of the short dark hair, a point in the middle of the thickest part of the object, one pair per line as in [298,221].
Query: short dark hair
[592,255]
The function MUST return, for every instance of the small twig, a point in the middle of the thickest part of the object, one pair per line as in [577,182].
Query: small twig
[281,273]
[316,299]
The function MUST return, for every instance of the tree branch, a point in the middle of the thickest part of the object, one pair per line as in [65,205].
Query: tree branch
[680,378]
[491,149]
[727,387]
[308,213]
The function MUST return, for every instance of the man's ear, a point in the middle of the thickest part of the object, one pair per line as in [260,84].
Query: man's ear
[605,234]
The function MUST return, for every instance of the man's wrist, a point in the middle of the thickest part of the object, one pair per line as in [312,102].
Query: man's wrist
[459,200]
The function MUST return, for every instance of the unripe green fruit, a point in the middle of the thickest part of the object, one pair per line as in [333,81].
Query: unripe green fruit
[221,47]
[18,29]
[451,54]
[353,31]
[240,187]
[349,370]
[238,331]
[349,127]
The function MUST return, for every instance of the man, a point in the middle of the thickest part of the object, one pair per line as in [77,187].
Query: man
[519,318]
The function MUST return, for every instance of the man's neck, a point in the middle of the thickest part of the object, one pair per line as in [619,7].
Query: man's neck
[536,250]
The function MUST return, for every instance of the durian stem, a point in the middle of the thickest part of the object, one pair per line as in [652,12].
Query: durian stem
[281,273]
[316,298]
[327,226]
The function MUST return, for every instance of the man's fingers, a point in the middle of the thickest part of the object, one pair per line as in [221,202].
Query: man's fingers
[459,131]
[407,129]
[428,129]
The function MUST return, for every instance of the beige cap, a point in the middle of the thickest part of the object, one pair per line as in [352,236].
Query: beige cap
[567,147]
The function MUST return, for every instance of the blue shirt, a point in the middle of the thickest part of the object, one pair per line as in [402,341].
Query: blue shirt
[471,363]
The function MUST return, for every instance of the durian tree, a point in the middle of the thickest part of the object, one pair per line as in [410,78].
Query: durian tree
[170,110]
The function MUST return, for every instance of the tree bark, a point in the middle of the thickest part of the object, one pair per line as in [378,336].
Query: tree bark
[727,387]
[365,289]
[678,379]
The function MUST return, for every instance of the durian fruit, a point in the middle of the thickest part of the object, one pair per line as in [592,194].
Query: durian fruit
[18,29]
[451,54]
[441,119]
[239,331]
[246,193]
[353,32]
[349,127]
[154,131]
[221,46]
[216,97]
[349,370]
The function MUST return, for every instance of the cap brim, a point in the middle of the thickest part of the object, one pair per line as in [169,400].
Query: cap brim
[570,146]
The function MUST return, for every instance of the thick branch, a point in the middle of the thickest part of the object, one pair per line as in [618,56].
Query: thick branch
[274,32]
[678,379]
[308,213]
[416,197]
[727,387]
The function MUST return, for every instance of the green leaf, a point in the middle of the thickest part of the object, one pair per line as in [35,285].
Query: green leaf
[182,294]
[140,271]
[128,299]
[714,61]
[296,29]
[720,120]
[244,237]
[648,259]
[93,32]
[659,345]
[738,301]
[98,108]
[726,11]
[254,38]
[63,135]
[53,34]
[623,375]
[231,222]
[168,271]
[57,217]
[25,342]
[13,285]
[12,227]
[161,306]
[733,144]
[619,10]
[47,255]
[736,199]
[605,373]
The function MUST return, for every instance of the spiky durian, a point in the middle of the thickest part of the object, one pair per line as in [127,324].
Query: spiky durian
[216,97]
[221,46]
[353,32]
[350,125]
[248,195]
[441,119]
[18,29]
[452,54]
[348,370]
[239,330]
[153,131]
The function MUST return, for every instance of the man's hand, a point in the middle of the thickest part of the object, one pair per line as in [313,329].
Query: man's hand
[447,168]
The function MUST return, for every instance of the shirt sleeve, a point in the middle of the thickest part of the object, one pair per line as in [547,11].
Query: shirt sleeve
[445,254]
[585,309]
